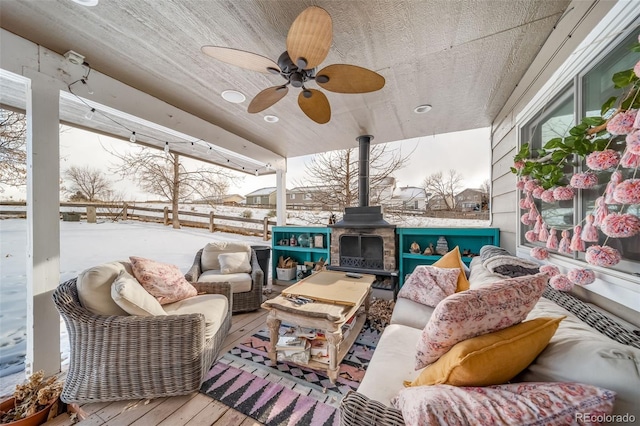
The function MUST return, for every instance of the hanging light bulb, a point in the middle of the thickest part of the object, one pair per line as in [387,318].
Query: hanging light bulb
[257,174]
[166,147]
[133,137]
[193,146]
[89,115]
[86,86]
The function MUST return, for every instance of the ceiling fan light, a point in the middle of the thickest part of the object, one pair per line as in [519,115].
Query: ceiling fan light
[301,63]
[307,93]
[322,79]
[421,109]
[271,119]
[233,96]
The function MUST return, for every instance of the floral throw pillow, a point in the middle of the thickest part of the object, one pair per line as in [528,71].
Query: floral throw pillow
[477,311]
[165,282]
[428,285]
[533,403]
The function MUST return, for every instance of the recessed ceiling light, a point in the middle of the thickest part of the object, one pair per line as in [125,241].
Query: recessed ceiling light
[86,2]
[271,119]
[421,109]
[233,96]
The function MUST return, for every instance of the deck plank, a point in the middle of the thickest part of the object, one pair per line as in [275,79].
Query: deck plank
[209,415]
[188,411]
[163,410]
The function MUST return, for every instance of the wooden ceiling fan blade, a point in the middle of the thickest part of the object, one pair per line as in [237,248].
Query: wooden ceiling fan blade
[349,79]
[266,98]
[316,107]
[309,37]
[241,58]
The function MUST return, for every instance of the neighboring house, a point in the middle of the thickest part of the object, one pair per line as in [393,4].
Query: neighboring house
[409,198]
[381,192]
[438,203]
[228,200]
[470,199]
[303,195]
[264,197]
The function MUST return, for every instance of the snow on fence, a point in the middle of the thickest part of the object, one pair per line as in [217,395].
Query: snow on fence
[125,211]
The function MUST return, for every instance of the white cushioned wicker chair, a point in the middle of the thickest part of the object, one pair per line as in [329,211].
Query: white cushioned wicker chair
[116,356]
[232,262]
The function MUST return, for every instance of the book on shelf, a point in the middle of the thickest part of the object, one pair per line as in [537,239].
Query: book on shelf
[319,347]
[307,333]
[291,344]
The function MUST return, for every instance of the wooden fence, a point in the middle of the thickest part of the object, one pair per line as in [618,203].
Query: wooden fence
[125,211]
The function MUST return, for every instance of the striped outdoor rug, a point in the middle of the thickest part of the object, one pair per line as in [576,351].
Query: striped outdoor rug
[284,394]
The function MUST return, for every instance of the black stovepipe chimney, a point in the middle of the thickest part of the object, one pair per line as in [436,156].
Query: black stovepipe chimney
[364,143]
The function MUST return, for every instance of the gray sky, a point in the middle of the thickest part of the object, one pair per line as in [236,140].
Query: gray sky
[467,152]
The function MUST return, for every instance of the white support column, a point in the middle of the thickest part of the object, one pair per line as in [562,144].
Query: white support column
[281,195]
[43,223]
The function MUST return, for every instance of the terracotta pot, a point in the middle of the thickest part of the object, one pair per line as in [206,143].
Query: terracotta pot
[35,419]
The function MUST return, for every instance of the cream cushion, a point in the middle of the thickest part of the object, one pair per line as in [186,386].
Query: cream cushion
[578,353]
[94,288]
[410,313]
[481,276]
[391,364]
[239,283]
[127,292]
[234,263]
[211,251]
[214,307]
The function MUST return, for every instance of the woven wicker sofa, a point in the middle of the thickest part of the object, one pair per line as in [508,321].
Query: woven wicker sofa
[584,325]
[246,287]
[122,357]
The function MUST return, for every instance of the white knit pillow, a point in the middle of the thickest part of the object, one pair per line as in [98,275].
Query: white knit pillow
[127,292]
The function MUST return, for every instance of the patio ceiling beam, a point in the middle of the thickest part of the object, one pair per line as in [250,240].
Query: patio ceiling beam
[19,55]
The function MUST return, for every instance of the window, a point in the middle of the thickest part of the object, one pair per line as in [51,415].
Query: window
[555,121]
[593,88]
[292,196]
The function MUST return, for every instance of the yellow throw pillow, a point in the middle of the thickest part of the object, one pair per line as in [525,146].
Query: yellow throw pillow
[453,260]
[490,359]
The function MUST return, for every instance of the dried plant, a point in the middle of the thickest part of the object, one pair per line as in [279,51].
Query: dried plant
[32,397]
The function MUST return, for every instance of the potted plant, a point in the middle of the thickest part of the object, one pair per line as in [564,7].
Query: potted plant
[31,402]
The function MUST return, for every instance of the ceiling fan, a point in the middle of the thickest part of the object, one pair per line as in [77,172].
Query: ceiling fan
[308,43]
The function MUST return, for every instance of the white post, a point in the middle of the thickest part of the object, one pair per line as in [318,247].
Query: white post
[43,223]
[281,196]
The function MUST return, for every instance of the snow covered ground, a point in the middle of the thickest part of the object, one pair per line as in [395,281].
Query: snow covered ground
[83,245]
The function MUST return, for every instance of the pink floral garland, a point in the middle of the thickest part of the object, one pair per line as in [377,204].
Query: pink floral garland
[603,160]
[584,180]
[561,282]
[622,123]
[627,192]
[581,276]
[602,256]
[617,225]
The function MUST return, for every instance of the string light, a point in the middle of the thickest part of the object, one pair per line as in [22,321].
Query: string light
[134,135]
[86,86]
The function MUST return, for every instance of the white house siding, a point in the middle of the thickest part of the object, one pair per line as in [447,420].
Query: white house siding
[615,291]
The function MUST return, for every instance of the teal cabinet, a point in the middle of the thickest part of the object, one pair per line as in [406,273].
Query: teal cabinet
[311,245]
[471,239]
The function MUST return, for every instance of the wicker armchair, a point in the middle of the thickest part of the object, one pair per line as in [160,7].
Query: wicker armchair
[242,301]
[134,357]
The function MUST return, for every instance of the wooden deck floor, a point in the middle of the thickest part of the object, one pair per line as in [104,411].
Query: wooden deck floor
[194,409]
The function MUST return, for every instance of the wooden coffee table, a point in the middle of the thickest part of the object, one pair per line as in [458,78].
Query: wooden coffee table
[329,317]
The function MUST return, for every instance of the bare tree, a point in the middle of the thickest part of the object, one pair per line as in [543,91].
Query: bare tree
[87,183]
[444,186]
[164,175]
[13,155]
[486,192]
[333,176]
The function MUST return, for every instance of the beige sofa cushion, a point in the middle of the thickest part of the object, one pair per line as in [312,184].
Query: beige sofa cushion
[214,307]
[480,276]
[239,283]
[581,354]
[410,313]
[211,251]
[94,288]
[127,292]
[234,263]
[391,364]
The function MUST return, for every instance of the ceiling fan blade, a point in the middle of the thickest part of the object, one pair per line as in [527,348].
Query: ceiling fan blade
[266,98]
[240,58]
[316,107]
[349,79]
[309,37]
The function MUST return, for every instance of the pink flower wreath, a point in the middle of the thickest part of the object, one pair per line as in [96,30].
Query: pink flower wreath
[603,160]
[602,256]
